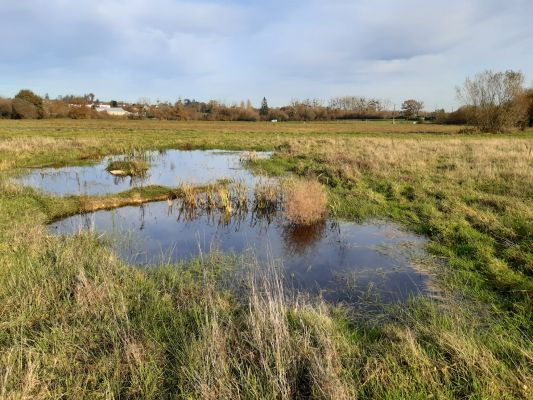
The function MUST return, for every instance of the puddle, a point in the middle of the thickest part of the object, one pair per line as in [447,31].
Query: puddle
[342,261]
[167,168]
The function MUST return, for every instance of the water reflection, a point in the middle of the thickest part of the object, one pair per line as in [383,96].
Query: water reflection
[339,260]
[166,168]
[297,238]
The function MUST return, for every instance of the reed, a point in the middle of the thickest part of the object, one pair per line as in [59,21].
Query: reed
[224,200]
[240,195]
[249,157]
[210,199]
[188,195]
[267,196]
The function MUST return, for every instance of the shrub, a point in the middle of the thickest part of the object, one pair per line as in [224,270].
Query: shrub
[305,202]
[32,98]
[80,112]
[58,109]
[6,108]
[23,109]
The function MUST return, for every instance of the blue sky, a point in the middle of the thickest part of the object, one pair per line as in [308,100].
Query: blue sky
[233,50]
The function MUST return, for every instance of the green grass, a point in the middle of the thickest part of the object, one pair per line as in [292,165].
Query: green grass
[75,321]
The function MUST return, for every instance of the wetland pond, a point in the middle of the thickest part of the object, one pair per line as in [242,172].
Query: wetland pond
[344,262]
[166,168]
[340,260]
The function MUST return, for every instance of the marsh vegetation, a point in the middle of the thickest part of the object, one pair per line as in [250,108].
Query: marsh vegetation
[78,321]
[134,168]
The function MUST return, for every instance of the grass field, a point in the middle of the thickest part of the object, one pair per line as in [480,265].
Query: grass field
[76,322]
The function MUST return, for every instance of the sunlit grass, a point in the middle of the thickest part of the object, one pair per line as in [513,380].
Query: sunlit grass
[77,322]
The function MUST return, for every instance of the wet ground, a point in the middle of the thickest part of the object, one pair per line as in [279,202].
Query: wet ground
[167,168]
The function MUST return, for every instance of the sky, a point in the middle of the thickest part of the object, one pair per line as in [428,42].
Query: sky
[282,50]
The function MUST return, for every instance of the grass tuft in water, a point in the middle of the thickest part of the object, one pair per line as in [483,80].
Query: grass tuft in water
[305,202]
[267,197]
[134,168]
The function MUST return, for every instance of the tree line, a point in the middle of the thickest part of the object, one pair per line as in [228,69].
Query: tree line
[491,102]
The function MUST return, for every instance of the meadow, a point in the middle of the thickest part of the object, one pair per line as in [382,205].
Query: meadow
[76,321]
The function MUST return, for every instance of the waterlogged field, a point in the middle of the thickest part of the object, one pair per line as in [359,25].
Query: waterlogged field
[78,319]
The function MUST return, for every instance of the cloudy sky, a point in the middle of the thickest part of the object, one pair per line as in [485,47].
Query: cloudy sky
[282,49]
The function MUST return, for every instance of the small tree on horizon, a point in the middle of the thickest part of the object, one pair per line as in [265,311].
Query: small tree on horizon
[35,100]
[411,108]
[263,111]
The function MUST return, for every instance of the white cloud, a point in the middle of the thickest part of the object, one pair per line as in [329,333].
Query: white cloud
[239,49]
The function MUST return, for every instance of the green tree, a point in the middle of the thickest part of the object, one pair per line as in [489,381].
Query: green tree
[263,111]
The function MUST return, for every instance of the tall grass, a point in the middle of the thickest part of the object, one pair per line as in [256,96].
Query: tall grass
[95,328]
[75,322]
[305,202]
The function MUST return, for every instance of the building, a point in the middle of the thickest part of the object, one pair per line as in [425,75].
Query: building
[115,111]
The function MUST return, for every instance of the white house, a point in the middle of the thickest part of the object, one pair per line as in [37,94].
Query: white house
[115,111]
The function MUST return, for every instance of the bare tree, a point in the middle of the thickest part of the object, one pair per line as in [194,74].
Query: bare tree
[495,100]
[411,108]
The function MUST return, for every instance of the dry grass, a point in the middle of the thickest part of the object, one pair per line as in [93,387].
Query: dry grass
[305,202]
[471,160]
[188,195]
[278,348]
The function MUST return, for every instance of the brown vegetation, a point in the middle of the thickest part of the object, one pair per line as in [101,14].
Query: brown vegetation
[305,202]
[496,101]
[22,109]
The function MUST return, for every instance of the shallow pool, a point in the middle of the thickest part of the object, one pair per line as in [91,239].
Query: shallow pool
[342,261]
[167,168]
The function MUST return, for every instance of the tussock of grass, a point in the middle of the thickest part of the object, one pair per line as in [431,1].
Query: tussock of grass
[134,168]
[305,202]
[267,197]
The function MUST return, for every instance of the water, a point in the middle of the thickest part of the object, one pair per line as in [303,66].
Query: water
[340,260]
[167,168]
